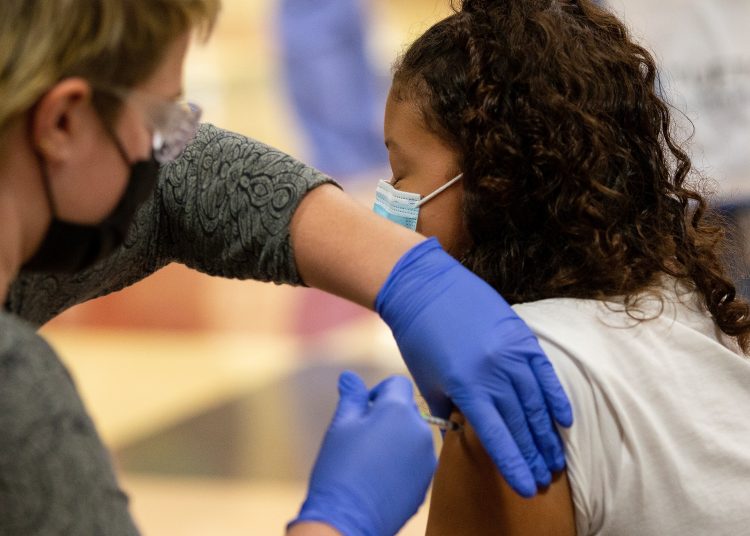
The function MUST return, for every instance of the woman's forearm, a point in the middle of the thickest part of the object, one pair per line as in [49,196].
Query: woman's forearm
[343,248]
[312,529]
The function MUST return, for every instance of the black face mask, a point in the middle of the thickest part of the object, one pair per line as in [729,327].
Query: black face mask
[70,247]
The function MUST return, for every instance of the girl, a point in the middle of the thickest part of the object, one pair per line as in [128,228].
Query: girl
[565,191]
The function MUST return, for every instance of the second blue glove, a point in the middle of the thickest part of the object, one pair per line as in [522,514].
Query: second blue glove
[376,462]
[464,345]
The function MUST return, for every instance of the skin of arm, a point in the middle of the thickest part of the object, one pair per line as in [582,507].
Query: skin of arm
[312,529]
[343,248]
[470,497]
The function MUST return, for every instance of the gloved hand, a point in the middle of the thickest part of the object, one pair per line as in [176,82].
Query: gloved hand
[464,345]
[376,462]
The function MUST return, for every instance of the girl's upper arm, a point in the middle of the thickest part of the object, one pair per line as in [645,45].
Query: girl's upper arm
[470,497]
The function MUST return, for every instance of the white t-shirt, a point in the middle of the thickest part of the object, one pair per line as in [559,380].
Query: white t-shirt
[703,51]
[661,439]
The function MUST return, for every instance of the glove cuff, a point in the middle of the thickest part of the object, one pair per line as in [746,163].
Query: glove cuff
[405,292]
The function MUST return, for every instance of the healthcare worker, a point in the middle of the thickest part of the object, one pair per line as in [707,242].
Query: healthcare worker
[91,130]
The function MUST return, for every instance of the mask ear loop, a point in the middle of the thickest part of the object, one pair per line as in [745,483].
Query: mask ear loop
[121,98]
[439,190]
[44,170]
[47,183]
[118,144]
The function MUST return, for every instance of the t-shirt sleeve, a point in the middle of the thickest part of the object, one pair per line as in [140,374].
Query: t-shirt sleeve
[223,208]
[583,445]
[55,475]
[594,447]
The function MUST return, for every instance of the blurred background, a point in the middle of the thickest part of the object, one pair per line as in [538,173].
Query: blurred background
[213,395]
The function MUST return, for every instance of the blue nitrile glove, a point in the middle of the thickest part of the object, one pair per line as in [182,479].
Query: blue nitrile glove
[464,345]
[376,462]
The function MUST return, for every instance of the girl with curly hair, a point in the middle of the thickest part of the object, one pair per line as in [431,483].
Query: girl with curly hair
[529,138]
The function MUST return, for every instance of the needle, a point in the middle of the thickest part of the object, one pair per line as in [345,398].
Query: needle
[441,423]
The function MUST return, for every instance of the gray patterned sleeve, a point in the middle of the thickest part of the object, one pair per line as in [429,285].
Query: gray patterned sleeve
[222,208]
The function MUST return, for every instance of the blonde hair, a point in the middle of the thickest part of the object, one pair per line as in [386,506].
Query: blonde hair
[110,43]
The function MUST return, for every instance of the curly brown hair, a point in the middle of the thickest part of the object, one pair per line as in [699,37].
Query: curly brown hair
[574,185]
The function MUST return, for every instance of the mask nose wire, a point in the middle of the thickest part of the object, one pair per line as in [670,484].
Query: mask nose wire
[441,189]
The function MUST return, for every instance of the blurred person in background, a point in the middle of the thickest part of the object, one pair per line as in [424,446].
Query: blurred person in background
[333,85]
[99,190]
[529,138]
[703,52]
[338,99]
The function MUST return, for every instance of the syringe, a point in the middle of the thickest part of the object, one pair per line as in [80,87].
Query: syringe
[443,424]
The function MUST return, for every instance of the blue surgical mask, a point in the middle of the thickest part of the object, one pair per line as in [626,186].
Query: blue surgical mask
[403,207]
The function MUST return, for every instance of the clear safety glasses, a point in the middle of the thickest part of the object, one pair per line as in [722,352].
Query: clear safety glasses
[173,124]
